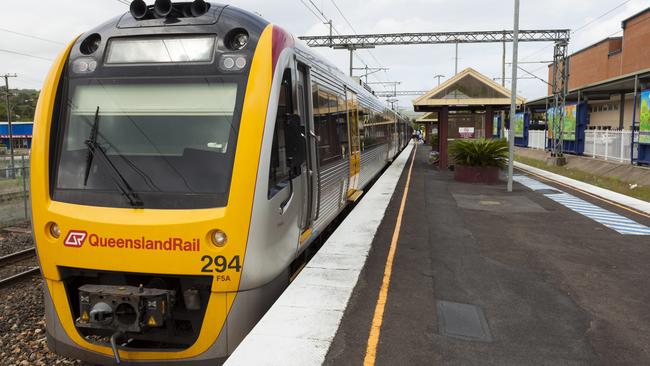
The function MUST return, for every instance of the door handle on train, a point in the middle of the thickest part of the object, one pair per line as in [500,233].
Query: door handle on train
[284,206]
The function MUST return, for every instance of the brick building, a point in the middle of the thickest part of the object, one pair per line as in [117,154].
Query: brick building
[607,74]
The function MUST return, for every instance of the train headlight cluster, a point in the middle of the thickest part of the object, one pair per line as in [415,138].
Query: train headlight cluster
[55,230]
[219,238]
[84,65]
[233,62]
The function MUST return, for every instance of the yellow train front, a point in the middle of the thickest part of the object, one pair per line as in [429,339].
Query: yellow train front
[183,158]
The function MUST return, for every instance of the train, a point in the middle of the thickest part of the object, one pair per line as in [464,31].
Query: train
[185,155]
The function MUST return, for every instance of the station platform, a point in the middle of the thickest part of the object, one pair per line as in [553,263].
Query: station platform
[436,272]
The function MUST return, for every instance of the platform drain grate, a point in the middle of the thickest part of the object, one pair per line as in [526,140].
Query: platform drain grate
[463,321]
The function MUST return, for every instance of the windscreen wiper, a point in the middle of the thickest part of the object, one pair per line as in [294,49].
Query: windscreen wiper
[95,150]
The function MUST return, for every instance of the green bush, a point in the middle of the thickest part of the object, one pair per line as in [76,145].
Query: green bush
[481,152]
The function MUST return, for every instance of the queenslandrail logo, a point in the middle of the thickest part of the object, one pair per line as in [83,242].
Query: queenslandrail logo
[75,238]
[172,244]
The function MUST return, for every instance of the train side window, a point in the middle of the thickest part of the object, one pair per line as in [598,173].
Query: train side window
[279,170]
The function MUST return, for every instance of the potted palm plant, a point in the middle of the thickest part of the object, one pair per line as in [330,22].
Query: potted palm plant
[479,161]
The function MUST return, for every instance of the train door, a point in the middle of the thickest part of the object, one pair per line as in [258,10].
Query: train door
[310,178]
[355,144]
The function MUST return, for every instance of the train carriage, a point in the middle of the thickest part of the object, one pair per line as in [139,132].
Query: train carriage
[184,156]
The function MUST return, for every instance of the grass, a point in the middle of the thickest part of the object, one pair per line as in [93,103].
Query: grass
[611,183]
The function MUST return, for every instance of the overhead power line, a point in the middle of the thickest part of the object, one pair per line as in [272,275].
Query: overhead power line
[355,32]
[25,54]
[29,36]
[322,17]
[582,27]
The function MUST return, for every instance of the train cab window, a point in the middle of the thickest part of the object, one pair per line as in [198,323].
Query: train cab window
[280,165]
[168,142]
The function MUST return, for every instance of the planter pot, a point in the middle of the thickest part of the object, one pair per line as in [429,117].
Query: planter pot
[477,174]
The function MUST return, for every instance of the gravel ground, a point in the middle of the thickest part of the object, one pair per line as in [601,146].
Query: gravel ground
[22,326]
[11,242]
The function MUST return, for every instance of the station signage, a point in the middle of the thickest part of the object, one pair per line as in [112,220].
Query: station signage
[466,132]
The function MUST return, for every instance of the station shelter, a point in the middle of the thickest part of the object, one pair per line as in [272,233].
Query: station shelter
[466,106]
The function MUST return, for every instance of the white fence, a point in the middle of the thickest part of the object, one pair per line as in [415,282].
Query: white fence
[537,139]
[609,145]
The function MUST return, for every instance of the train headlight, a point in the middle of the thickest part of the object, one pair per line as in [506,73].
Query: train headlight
[84,65]
[219,238]
[55,230]
[233,62]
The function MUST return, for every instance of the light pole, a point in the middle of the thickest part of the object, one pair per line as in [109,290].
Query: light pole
[513,98]
[439,76]
[11,132]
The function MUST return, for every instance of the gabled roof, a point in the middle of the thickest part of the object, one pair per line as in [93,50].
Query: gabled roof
[468,87]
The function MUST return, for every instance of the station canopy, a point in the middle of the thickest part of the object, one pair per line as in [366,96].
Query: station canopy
[467,88]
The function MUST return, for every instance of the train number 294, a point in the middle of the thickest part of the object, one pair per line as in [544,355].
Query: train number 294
[220,264]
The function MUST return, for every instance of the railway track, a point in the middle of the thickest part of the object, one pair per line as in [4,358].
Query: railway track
[12,259]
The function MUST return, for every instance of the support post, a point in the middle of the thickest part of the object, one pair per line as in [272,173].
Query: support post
[10,127]
[489,122]
[456,67]
[513,99]
[443,133]
[351,60]
[621,118]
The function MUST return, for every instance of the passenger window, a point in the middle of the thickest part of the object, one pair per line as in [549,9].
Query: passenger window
[280,164]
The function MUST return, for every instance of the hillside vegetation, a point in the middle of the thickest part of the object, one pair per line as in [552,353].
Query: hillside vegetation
[22,102]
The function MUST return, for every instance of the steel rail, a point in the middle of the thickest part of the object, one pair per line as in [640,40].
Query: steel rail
[13,258]
[20,255]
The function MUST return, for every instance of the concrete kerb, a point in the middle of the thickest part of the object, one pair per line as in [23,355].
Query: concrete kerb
[300,326]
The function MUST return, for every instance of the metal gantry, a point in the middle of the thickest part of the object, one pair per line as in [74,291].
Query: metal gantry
[400,93]
[372,40]
[560,37]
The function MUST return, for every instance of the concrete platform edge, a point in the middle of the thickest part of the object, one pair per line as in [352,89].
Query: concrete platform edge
[301,325]
[622,199]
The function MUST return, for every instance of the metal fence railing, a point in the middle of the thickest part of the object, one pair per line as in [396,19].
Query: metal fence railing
[609,145]
[14,191]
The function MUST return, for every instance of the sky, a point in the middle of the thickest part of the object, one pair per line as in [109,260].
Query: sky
[58,22]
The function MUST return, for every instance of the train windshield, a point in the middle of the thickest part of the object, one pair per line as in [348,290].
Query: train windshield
[170,143]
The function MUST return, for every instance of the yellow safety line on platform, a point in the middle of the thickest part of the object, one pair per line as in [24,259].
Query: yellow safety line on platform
[378,318]
[586,193]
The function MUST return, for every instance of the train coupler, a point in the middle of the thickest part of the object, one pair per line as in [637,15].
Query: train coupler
[127,309]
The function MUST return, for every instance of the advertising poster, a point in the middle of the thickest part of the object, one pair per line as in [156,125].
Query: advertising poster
[519,125]
[549,122]
[570,120]
[644,118]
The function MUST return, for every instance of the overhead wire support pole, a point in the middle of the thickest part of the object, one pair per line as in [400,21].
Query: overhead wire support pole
[10,127]
[513,99]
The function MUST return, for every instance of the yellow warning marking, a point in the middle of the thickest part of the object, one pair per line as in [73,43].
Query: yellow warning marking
[85,316]
[305,235]
[378,318]
[490,203]
[353,197]
[152,322]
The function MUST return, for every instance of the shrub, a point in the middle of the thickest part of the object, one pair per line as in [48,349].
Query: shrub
[481,152]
